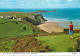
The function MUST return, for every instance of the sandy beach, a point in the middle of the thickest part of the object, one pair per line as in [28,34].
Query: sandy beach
[51,27]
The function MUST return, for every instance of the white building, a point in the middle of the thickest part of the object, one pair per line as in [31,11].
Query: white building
[19,19]
[1,16]
[14,17]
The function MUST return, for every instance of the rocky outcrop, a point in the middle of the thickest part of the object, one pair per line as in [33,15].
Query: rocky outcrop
[38,19]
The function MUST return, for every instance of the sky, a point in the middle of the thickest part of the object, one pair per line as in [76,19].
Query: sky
[39,4]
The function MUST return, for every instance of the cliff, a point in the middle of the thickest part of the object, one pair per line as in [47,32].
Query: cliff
[36,19]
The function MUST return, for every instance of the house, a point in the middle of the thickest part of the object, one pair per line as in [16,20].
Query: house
[19,19]
[9,16]
[14,17]
[1,16]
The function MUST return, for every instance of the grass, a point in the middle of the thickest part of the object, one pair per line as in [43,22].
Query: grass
[29,44]
[22,15]
[7,20]
[11,29]
[23,44]
[60,43]
[7,46]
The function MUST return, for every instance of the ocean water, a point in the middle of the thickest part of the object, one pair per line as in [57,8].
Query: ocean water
[64,15]
[61,15]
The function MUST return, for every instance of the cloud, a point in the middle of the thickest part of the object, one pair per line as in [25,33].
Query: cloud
[29,2]
[69,0]
[39,3]
[49,3]
[2,3]
[47,0]
[56,0]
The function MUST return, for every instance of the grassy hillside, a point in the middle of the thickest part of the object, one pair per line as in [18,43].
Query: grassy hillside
[51,43]
[23,44]
[12,29]
[60,43]
[7,20]
[32,16]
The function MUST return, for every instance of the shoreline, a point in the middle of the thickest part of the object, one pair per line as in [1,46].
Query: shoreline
[51,27]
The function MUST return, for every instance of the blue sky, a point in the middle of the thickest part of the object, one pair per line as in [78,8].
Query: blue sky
[39,3]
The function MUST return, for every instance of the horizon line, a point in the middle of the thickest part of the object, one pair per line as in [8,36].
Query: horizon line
[39,8]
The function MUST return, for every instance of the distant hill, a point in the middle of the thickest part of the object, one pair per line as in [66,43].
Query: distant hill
[53,10]
[43,11]
[40,11]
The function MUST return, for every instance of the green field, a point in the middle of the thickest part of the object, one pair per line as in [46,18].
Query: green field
[60,43]
[10,29]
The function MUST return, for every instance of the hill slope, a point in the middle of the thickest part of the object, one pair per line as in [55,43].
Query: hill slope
[10,29]
[60,43]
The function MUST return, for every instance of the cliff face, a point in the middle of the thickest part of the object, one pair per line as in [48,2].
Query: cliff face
[36,20]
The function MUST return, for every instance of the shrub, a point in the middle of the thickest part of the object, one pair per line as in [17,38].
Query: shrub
[29,44]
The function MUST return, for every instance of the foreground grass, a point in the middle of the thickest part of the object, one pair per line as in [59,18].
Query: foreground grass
[7,46]
[60,43]
[23,44]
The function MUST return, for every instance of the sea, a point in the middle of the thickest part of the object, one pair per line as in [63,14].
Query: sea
[61,15]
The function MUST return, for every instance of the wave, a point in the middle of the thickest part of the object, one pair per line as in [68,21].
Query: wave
[76,22]
[50,19]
